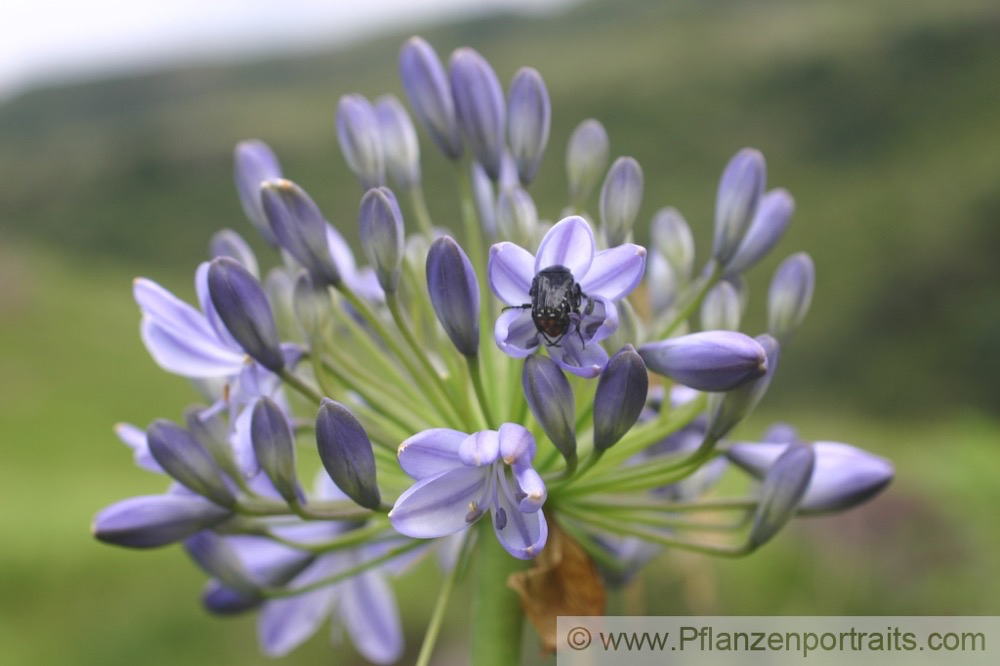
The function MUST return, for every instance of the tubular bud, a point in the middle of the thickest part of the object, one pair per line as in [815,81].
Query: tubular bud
[426,84]
[586,158]
[454,293]
[550,398]
[360,140]
[529,115]
[479,107]
[621,196]
[240,301]
[740,189]
[255,162]
[380,225]
[346,453]
[185,459]
[707,361]
[619,398]
[399,142]
[790,294]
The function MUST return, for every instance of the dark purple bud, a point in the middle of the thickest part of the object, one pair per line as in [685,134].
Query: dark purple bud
[721,309]
[360,142]
[151,521]
[346,453]
[726,410]
[254,163]
[228,243]
[479,107]
[781,491]
[529,115]
[240,301]
[619,398]
[740,189]
[221,600]
[454,292]
[672,237]
[218,559]
[380,225]
[429,92]
[399,142]
[550,398]
[517,217]
[275,449]
[185,459]
[300,228]
[707,361]
[774,212]
[790,294]
[621,196]
[586,159]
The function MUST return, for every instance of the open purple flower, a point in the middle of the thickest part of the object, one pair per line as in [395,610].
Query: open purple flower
[570,327]
[460,477]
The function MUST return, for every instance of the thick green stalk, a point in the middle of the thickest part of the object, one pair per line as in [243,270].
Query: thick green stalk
[497,618]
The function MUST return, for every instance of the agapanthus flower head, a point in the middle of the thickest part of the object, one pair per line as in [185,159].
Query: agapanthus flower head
[460,477]
[562,298]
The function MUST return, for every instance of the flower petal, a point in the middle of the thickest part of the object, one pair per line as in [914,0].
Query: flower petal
[438,505]
[581,360]
[615,272]
[523,534]
[135,438]
[569,243]
[601,321]
[430,452]
[480,448]
[208,308]
[284,624]
[369,611]
[531,484]
[516,444]
[510,270]
[515,333]
[188,355]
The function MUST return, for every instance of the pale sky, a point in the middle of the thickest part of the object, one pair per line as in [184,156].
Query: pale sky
[45,41]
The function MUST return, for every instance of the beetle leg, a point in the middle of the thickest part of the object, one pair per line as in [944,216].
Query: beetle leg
[526,306]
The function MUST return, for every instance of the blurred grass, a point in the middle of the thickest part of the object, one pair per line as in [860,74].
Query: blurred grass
[880,117]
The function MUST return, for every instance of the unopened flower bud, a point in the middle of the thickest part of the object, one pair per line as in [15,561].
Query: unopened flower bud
[275,449]
[672,237]
[721,308]
[380,225]
[550,398]
[728,409]
[707,361]
[185,459]
[346,453]
[517,217]
[486,202]
[621,196]
[219,560]
[740,190]
[454,293]
[300,228]
[781,491]
[228,243]
[662,282]
[774,212]
[399,142]
[150,521]
[222,600]
[479,107]
[360,141]
[843,477]
[790,294]
[429,92]
[529,114]
[586,159]
[254,163]
[620,397]
[240,301]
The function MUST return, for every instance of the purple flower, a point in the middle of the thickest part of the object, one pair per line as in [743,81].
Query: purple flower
[460,477]
[603,277]
[150,521]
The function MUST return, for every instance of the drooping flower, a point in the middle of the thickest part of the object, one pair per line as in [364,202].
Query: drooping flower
[460,477]
[602,277]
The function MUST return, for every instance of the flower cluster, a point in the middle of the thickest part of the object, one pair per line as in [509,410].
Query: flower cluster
[522,373]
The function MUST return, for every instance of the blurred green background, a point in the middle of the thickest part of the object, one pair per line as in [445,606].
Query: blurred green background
[881,117]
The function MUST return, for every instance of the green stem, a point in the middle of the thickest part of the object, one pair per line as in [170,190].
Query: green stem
[296,383]
[419,205]
[497,618]
[437,616]
[693,301]
[477,383]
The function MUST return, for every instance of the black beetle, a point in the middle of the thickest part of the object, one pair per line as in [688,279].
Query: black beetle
[555,303]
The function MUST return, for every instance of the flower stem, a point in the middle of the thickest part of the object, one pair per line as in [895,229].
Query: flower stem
[694,300]
[477,382]
[497,616]
[419,205]
[437,616]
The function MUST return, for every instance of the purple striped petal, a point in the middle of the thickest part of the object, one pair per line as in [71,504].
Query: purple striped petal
[431,452]
[523,534]
[438,505]
[615,272]
[284,624]
[188,355]
[511,269]
[581,360]
[135,438]
[368,609]
[480,448]
[569,243]
[515,333]
[516,444]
